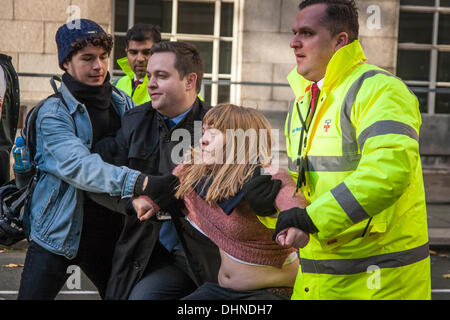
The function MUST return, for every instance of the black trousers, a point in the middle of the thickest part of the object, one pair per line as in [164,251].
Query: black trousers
[45,273]
[166,277]
[4,167]
[213,291]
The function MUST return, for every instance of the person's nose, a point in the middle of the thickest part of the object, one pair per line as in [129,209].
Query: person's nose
[140,57]
[295,42]
[152,84]
[204,140]
[97,64]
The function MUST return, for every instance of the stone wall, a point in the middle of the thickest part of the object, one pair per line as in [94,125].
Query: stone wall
[28,35]
[435,156]
[378,31]
[30,25]
[267,57]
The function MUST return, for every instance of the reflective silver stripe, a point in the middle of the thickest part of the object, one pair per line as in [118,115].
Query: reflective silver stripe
[333,163]
[291,108]
[328,163]
[386,127]
[349,203]
[349,142]
[292,165]
[350,157]
[353,266]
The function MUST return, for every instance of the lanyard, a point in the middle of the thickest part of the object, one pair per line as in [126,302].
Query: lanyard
[301,162]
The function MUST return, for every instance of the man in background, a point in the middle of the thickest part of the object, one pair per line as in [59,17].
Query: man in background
[140,39]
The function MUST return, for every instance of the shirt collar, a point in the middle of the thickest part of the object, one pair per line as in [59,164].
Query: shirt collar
[140,80]
[320,83]
[180,117]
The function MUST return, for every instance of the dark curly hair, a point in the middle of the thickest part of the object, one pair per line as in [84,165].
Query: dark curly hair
[103,40]
[341,16]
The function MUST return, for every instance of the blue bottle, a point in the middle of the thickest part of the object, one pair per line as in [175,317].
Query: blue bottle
[23,169]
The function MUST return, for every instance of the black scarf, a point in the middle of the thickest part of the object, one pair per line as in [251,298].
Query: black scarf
[98,101]
[105,122]
[91,96]
[228,204]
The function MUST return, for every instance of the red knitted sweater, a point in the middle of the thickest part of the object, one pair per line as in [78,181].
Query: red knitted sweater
[241,234]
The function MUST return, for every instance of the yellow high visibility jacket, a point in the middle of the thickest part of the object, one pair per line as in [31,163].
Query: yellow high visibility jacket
[126,83]
[363,178]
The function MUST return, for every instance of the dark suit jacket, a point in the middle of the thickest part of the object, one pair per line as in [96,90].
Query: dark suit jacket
[144,143]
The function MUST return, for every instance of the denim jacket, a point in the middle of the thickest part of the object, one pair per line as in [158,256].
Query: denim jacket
[67,166]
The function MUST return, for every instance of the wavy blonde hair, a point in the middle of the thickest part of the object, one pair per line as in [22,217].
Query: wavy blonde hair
[227,178]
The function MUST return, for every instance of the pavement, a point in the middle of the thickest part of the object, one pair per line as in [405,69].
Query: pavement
[79,287]
[439,224]
[439,234]
[11,265]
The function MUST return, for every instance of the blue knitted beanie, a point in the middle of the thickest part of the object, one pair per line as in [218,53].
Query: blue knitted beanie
[73,31]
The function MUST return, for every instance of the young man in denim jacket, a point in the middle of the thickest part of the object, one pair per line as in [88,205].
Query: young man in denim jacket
[66,229]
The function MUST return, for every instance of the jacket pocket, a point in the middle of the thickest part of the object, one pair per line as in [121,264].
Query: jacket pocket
[144,161]
[376,228]
[356,233]
[43,213]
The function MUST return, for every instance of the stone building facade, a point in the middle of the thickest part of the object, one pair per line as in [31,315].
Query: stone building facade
[261,56]
[29,27]
[28,36]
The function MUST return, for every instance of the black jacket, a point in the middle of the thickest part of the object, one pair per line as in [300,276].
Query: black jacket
[144,143]
[9,116]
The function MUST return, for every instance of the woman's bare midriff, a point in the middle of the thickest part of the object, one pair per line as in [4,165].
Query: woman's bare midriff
[239,276]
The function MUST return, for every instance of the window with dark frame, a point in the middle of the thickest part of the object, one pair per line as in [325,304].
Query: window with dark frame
[423,58]
[208,24]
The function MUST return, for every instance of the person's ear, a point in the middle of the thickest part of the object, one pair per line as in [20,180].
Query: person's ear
[66,65]
[341,40]
[191,81]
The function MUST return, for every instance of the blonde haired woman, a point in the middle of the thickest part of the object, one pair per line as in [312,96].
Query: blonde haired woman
[235,146]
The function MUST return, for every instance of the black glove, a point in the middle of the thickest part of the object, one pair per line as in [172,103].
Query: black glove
[161,189]
[294,217]
[260,192]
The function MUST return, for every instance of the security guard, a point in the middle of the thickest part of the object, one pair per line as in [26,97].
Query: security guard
[140,39]
[352,142]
